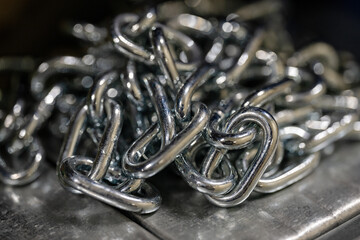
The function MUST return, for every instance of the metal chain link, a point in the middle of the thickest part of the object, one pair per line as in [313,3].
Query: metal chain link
[233,108]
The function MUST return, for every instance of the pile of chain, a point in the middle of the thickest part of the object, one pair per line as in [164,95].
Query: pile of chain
[228,103]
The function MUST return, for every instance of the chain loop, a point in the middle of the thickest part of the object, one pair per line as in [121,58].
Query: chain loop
[231,103]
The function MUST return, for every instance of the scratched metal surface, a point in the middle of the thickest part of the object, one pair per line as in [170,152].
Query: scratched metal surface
[43,210]
[327,198]
[316,207]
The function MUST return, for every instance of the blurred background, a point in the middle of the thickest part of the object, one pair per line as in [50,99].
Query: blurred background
[36,28]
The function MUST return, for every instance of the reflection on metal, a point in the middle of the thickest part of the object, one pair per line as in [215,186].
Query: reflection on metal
[329,197]
[44,210]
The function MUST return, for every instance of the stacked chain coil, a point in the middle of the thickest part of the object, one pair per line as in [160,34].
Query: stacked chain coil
[227,102]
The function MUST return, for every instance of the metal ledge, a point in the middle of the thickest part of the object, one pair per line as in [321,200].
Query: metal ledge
[315,207]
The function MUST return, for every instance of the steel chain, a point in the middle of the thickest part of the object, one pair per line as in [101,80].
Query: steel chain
[233,107]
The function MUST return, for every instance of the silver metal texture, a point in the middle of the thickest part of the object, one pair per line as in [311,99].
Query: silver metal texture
[320,203]
[44,210]
[231,107]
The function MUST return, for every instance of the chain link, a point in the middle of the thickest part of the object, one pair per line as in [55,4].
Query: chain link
[227,102]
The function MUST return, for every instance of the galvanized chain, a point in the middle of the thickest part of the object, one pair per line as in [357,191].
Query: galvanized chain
[234,109]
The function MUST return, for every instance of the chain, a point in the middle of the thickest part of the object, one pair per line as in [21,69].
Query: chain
[227,102]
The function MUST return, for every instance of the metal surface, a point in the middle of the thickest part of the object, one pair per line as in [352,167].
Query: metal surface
[178,100]
[44,210]
[329,197]
[179,108]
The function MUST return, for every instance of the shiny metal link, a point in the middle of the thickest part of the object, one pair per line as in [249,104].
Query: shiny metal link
[143,24]
[167,154]
[70,175]
[336,131]
[231,105]
[32,171]
[266,94]
[41,114]
[186,165]
[322,51]
[289,176]
[88,32]
[186,92]
[297,97]
[108,140]
[192,23]
[256,99]
[290,116]
[225,140]
[160,102]
[132,85]
[296,171]
[139,53]
[60,65]
[26,142]
[13,121]
[250,178]
[96,97]
[163,56]
[233,75]
[204,184]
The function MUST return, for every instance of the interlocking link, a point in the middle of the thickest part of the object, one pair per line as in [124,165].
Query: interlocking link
[226,101]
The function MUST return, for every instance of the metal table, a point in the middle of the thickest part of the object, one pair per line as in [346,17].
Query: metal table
[326,204]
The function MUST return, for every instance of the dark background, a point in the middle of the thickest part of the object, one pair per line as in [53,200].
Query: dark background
[35,27]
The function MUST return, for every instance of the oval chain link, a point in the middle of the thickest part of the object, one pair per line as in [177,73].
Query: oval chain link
[233,108]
